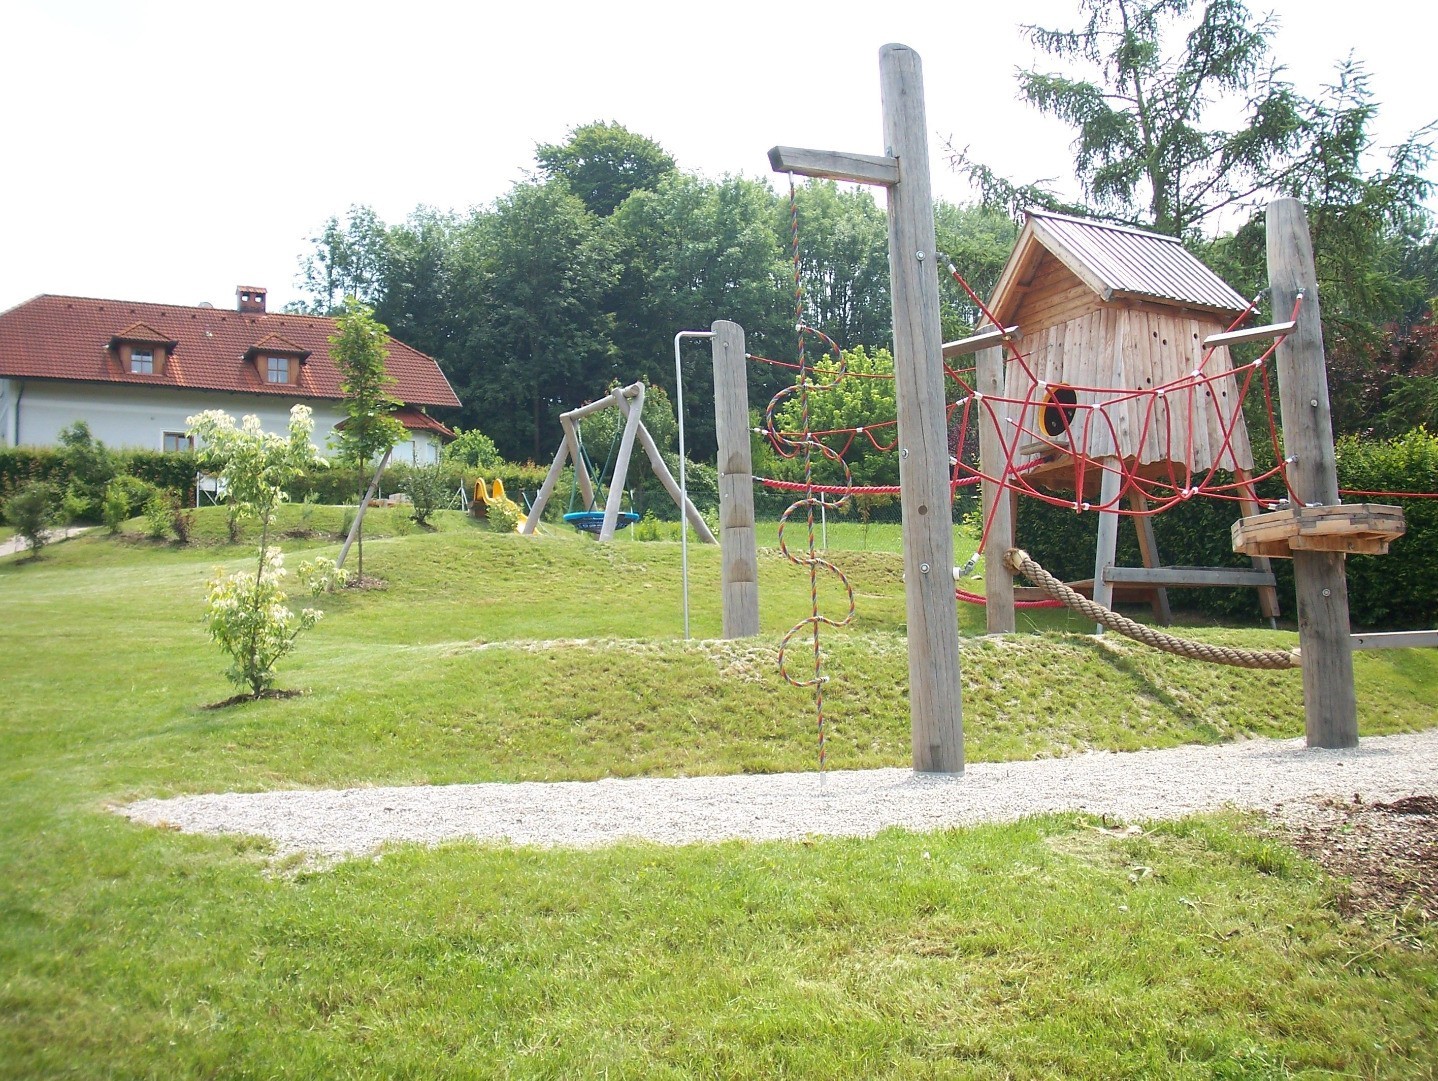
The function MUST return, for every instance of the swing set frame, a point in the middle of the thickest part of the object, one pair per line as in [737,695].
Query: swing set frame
[630,403]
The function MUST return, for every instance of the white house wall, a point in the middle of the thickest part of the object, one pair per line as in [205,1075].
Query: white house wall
[127,416]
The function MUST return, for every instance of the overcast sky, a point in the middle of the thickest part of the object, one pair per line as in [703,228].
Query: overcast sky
[169,151]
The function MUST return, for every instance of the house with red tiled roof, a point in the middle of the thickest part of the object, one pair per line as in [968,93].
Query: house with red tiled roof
[134,371]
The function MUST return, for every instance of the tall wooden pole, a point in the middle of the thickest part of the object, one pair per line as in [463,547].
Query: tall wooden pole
[998,581]
[935,705]
[1330,707]
[740,554]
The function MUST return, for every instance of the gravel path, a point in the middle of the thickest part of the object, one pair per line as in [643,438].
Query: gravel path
[1258,774]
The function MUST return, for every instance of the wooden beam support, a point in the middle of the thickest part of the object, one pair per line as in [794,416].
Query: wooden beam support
[975,342]
[1190,577]
[1330,705]
[1148,547]
[936,722]
[531,520]
[621,461]
[1397,640]
[739,558]
[1252,334]
[1107,545]
[998,579]
[831,165]
[358,523]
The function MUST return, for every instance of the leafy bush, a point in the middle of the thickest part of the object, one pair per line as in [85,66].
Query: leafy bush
[31,512]
[321,575]
[472,449]
[504,515]
[428,489]
[160,513]
[1399,589]
[246,615]
[90,466]
[125,496]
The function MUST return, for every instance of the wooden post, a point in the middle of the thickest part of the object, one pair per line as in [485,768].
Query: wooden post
[546,489]
[621,461]
[581,471]
[1148,547]
[740,554]
[1107,544]
[935,704]
[359,513]
[998,580]
[1248,505]
[1330,706]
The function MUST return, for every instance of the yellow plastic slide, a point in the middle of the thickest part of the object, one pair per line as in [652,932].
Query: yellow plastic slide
[484,497]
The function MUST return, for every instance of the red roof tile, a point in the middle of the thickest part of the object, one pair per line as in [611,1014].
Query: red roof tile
[413,421]
[140,334]
[58,337]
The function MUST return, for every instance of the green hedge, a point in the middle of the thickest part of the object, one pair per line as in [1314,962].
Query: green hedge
[174,472]
[1398,590]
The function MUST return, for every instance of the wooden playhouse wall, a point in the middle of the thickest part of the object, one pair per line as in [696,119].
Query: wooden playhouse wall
[1102,349]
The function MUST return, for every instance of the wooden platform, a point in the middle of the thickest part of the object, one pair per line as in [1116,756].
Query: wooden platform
[1356,528]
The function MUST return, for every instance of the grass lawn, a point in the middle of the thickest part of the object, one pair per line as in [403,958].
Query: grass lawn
[1043,949]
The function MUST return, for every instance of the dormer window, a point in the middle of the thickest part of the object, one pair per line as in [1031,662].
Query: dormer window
[277,360]
[140,349]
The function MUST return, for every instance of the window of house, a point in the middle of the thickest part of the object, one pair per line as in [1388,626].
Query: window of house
[142,362]
[177,441]
[277,369]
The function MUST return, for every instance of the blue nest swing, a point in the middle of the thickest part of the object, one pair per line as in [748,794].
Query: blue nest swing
[592,521]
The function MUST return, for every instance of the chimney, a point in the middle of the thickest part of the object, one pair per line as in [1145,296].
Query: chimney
[251,299]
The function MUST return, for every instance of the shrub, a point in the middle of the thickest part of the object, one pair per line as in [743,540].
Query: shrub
[504,516]
[428,490]
[31,511]
[125,497]
[90,466]
[160,513]
[1399,589]
[246,613]
[321,575]
[473,449]
[183,522]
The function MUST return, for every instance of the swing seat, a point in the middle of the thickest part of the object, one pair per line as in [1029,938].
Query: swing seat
[592,521]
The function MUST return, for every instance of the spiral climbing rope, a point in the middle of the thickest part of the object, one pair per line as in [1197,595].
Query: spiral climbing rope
[805,443]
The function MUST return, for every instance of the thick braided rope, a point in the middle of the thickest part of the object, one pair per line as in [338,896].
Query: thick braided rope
[1020,562]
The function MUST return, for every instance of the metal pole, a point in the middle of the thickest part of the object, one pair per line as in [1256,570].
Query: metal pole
[683,480]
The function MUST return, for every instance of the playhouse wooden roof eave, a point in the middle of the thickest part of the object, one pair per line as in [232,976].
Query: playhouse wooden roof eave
[1115,262]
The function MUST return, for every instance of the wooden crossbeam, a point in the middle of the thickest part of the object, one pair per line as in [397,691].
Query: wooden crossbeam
[972,344]
[833,165]
[1252,334]
[1396,640]
[1190,577]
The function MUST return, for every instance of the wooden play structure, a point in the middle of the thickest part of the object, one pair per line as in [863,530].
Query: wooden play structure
[629,401]
[1121,335]
[1117,391]
[1125,312]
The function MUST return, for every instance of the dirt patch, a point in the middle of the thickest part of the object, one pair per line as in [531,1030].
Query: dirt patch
[1388,852]
[239,698]
[364,583]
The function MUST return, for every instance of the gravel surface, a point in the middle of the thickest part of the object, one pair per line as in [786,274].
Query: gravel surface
[1258,775]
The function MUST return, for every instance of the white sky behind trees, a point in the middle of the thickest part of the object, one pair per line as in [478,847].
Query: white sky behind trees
[169,150]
